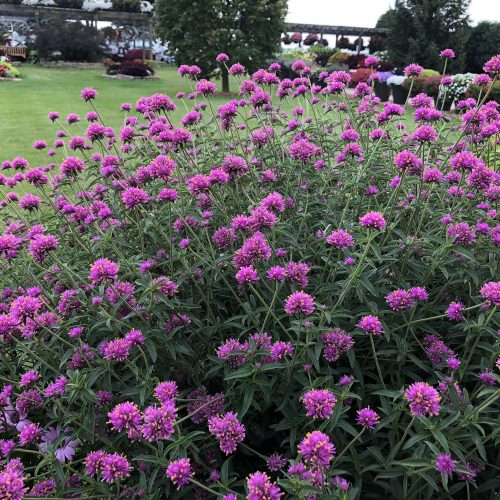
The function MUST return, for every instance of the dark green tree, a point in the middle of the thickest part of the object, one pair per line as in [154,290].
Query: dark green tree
[420,29]
[249,31]
[484,43]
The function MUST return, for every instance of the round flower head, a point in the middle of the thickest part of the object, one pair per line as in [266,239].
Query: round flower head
[491,292]
[125,416]
[371,324]
[180,472]
[222,57]
[423,399]
[319,403]
[299,303]
[103,270]
[373,220]
[492,67]
[340,239]
[317,449]
[88,93]
[400,299]
[260,487]
[115,467]
[228,431]
[367,418]
[445,464]
[275,462]
[413,70]
[447,54]
[455,311]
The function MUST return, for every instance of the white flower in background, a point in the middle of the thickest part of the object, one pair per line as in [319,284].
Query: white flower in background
[30,3]
[146,6]
[91,5]
[395,80]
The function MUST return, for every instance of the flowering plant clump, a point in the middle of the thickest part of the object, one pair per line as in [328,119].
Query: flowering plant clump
[294,294]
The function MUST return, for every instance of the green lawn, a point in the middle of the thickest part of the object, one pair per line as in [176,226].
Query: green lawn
[24,105]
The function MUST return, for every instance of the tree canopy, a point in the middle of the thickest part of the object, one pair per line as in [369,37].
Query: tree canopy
[249,31]
[421,28]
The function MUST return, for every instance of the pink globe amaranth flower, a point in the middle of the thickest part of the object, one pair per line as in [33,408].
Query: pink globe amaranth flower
[159,421]
[237,69]
[133,197]
[336,343]
[483,80]
[260,487]
[371,61]
[222,57]
[455,311]
[319,403]
[275,462]
[204,87]
[317,449]
[228,430]
[373,220]
[413,70]
[371,324]
[166,391]
[491,292]
[30,433]
[487,377]
[492,66]
[125,416]
[303,150]
[247,274]
[299,303]
[446,80]
[115,467]
[425,133]
[57,388]
[88,93]
[367,418]
[445,464]
[12,481]
[447,54]
[116,349]
[400,299]
[340,239]
[71,166]
[179,472]
[423,399]
[103,270]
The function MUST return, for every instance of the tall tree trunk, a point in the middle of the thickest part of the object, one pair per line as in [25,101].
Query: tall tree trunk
[225,79]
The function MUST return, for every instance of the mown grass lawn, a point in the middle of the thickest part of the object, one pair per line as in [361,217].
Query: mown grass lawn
[24,105]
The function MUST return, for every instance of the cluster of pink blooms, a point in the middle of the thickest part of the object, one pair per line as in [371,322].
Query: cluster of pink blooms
[264,248]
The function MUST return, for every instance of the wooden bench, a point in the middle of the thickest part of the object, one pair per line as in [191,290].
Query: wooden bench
[7,50]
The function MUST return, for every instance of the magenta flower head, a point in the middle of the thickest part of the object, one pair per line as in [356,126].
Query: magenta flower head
[445,464]
[125,417]
[446,80]
[237,69]
[413,70]
[103,270]
[447,54]
[373,220]
[222,57]
[317,449]
[491,292]
[371,61]
[370,324]
[53,116]
[159,421]
[71,166]
[247,274]
[455,311]
[299,303]
[319,403]
[423,399]
[492,67]
[260,487]
[12,481]
[228,430]
[88,93]
[367,418]
[340,239]
[179,472]
[483,80]
[400,299]
[115,467]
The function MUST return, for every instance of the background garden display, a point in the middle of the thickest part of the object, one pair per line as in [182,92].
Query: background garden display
[291,294]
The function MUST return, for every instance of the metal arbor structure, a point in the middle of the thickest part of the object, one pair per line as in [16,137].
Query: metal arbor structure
[323,29]
[15,17]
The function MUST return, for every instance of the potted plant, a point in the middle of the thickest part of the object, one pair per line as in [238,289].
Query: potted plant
[382,90]
[399,94]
